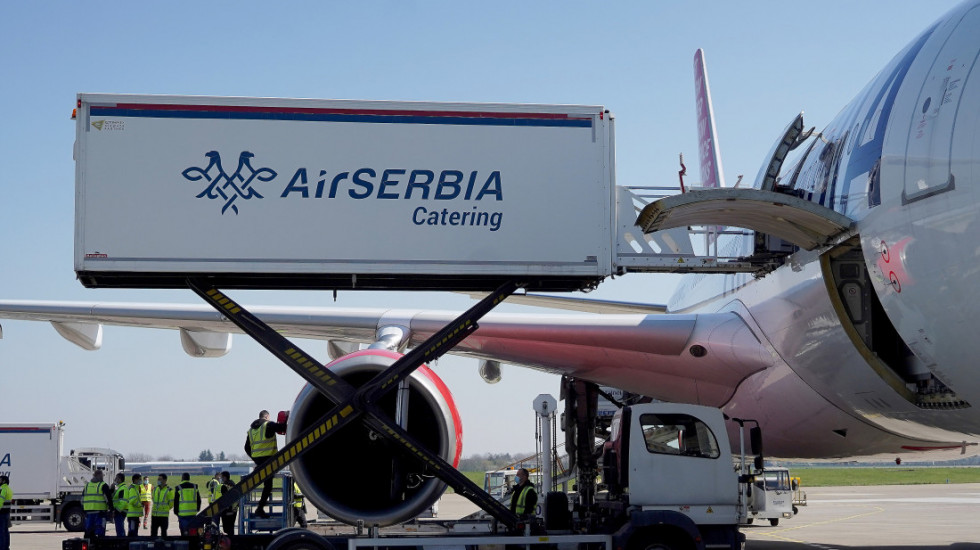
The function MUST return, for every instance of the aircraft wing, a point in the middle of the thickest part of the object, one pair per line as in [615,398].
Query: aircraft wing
[696,358]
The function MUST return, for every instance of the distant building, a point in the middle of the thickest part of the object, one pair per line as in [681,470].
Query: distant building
[172,468]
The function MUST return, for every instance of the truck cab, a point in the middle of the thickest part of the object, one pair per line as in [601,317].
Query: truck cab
[669,469]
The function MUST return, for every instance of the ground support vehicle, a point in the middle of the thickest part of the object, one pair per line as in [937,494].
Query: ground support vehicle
[47,483]
[375,171]
[772,495]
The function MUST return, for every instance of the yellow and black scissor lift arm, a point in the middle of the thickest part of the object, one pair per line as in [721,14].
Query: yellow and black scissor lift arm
[354,404]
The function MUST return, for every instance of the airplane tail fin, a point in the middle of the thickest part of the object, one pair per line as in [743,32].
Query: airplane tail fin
[708,151]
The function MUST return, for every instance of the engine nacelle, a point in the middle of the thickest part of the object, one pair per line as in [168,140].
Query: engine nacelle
[357,474]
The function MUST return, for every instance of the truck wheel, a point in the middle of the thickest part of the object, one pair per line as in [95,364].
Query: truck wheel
[299,539]
[774,521]
[749,521]
[557,515]
[659,541]
[73,517]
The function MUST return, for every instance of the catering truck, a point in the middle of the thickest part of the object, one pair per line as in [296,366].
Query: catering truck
[260,193]
[48,484]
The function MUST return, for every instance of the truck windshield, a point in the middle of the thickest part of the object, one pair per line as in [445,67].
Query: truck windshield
[774,481]
[678,434]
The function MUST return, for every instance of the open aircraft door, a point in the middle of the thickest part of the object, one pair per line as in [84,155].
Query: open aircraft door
[801,222]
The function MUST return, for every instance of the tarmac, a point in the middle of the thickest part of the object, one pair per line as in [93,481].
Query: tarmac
[892,517]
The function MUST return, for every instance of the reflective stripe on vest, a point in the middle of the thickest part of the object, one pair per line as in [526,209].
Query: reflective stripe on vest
[119,501]
[146,492]
[163,501]
[260,444]
[519,509]
[92,498]
[187,500]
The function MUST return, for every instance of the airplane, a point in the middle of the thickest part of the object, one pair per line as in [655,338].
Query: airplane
[861,347]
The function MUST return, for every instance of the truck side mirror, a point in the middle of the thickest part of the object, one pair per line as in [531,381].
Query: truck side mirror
[755,438]
[759,463]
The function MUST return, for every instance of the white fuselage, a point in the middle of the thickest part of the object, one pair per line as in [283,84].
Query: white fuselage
[886,352]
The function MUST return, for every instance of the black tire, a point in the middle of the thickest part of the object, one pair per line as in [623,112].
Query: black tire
[652,540]
[557,516]
[299,539]
[73,518]
[774,521]
[749,521]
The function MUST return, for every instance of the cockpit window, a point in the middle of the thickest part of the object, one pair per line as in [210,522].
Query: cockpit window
[678,434]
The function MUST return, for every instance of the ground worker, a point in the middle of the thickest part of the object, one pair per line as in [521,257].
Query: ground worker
[134,506]
[525,498]
[163,502]
[146,497]
[212,487]
[260,444]
[95,501]
[119,504]
[299,506]
[6,495]
[229,514]
[188,503]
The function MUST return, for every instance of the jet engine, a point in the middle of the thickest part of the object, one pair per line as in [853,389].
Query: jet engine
[356,474]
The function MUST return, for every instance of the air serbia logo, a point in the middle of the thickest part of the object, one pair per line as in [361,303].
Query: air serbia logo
[433,198]
[229,187]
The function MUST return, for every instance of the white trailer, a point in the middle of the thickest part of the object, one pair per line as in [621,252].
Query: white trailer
[47,484]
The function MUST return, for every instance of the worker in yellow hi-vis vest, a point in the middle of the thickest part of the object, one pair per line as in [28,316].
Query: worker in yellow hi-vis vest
[163,502]
[95,501]
[260,444]
[146,498]
[134,506]
[188,503]
[6,495]
[525,498]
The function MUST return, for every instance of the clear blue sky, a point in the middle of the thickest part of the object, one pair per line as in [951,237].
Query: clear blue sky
[140,393]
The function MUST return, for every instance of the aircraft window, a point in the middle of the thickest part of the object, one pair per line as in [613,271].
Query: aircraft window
[678,434]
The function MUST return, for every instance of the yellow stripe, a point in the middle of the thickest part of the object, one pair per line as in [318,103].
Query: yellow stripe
[346,411]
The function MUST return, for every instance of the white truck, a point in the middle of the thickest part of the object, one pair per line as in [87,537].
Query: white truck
[47,484]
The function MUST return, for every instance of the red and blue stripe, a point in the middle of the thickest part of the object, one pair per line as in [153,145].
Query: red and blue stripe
[375,116]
